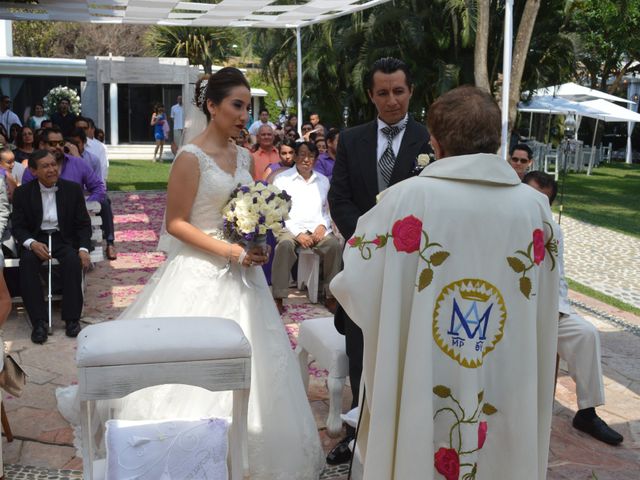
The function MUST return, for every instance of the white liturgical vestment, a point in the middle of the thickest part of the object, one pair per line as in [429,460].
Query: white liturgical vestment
[453,279]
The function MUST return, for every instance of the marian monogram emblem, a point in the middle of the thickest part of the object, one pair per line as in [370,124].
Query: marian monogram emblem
[468,320]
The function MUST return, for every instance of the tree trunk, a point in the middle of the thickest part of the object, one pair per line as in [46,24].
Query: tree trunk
[520,51]
[480,70]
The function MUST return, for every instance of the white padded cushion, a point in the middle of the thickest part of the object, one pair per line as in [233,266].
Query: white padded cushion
[319,337]
[166,450]
[160,340]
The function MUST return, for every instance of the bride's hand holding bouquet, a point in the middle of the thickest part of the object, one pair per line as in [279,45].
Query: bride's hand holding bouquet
[251,212]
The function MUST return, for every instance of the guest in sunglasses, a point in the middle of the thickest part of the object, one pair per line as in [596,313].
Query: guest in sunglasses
[71,166]
[521,158]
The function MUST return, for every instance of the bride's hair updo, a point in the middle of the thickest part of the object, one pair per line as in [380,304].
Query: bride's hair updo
[217,87]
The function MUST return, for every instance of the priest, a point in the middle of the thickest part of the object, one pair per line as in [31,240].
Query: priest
[452,278]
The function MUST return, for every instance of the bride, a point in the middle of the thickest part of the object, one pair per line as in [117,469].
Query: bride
[203,277]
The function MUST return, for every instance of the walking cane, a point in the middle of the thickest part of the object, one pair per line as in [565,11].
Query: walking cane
[49,295]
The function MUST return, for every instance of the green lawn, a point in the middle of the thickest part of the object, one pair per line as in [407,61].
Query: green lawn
[137,175]
[610,197]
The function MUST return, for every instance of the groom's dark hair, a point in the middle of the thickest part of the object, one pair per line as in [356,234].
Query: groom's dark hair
[388,65]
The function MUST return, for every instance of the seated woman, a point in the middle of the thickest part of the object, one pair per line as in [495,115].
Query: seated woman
[24,145]
[287,151]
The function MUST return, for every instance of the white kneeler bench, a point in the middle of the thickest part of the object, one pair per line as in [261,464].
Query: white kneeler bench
[119,357]
[319,337]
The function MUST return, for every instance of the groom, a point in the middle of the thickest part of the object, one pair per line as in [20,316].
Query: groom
[370,158]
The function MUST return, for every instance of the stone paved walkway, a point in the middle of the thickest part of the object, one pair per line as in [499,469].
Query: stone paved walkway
[602,259]
[43,438]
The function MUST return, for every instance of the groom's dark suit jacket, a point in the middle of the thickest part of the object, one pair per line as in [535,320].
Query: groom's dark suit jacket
[73,220]
[354,184]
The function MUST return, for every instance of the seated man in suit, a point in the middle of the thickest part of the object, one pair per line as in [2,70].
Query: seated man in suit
[578,340]
[51,204]
[308,226]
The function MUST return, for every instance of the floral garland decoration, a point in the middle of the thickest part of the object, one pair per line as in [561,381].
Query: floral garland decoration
[406,234]
[538,248]
[52,99]
[447,460]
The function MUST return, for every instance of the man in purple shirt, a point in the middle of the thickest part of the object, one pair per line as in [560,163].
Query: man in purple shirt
[325,162]
[72,168]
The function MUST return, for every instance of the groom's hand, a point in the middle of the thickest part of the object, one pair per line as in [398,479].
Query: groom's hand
[305,240]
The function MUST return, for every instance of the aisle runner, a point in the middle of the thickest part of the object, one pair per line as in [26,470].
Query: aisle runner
[113,286]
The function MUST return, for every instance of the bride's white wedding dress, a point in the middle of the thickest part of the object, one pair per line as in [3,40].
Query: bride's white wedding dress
[283,439]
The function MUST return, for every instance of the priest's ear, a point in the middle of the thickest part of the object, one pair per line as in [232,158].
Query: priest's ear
[437,149]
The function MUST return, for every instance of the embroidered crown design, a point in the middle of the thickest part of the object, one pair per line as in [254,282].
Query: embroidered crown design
[474,295]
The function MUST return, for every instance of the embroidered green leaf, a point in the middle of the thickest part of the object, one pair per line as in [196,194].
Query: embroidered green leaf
[442,391]
[489,409]
[438,258]
[525,286]
[516,264]
[382,239]
[480,396]
[425,279]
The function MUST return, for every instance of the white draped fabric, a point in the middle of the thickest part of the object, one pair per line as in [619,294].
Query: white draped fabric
[452,279]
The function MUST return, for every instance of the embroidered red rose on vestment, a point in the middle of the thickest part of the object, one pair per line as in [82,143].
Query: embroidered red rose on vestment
[407,234]
[482,434]
[447,463]
[352,241]
[538,246]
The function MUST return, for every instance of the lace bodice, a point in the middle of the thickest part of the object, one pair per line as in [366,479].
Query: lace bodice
[214,187]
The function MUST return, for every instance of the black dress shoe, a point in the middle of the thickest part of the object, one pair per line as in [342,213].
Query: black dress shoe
[341,452]
[597,428]
[39,334]
[73,328]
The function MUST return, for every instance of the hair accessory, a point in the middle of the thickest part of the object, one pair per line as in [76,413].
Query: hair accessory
[202,94]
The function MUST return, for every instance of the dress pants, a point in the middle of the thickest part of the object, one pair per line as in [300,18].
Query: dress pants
[285,256]
[70,276]
[106,213]
[579,346]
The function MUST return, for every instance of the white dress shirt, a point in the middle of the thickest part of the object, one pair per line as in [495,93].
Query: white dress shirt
[177,114]
[8,118]
[382,146]
[309,206]
[99,150]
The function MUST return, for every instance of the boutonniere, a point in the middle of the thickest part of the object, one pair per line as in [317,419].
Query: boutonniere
[421,162]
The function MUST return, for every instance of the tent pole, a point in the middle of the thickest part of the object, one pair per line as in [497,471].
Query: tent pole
[506,75]
[593,147]
[299,78]
[629,156]
[530,124]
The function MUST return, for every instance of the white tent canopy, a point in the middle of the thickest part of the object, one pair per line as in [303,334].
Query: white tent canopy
[559,106]
[224,13]
[612,112]
[573,91]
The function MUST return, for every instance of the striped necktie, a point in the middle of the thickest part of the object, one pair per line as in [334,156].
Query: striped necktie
[388,158]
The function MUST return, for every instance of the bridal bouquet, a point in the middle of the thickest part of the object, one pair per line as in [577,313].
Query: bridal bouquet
[255,209]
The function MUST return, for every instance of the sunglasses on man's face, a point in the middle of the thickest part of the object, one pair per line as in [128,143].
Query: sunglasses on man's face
[55,143]
[519,160]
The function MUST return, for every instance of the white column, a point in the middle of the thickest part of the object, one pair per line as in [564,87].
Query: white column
[506,75]
[6,38]
[113,108]
[255,107]
[299,75]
